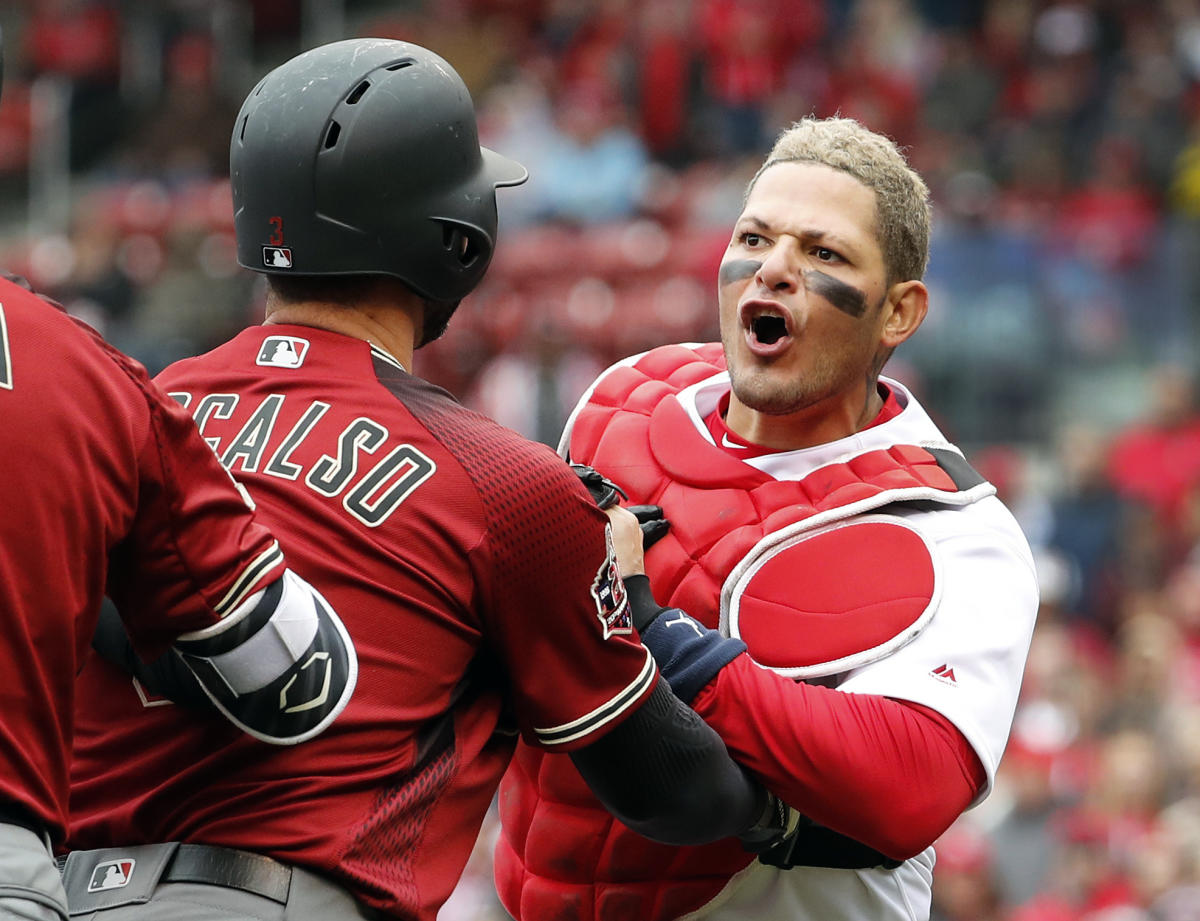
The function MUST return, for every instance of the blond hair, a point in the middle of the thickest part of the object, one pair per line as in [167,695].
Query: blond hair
[902,208]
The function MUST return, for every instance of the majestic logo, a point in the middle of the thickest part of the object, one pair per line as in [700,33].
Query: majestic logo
[111,874]
[277,257]
[945,674]
[612,602]
[282,352]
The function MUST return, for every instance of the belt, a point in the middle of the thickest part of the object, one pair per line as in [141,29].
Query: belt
[12,814]
[233,869]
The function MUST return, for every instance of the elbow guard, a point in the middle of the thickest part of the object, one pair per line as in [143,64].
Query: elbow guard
[281,666]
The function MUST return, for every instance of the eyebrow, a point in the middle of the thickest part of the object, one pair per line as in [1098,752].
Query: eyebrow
[810,234]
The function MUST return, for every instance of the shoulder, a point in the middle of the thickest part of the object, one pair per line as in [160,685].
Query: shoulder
[22,311]
[637,383]
[677,366]
[183,369]
[501,462]
[834,618]
[967,530]
[46,342]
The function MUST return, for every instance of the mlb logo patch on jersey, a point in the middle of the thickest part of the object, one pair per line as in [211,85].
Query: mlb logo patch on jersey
[282,352]
[608,591]
[111,874]
[277,257]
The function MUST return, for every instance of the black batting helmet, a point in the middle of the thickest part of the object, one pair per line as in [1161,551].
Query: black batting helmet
[362,157]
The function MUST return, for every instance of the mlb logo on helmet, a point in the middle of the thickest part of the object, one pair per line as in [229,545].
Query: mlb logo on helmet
[111,874]
[277,257]
[282,352]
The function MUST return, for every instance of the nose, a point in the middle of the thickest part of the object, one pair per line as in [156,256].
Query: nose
[780,267]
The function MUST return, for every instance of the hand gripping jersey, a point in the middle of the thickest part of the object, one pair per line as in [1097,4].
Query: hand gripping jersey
[878,564]
[472,570]
[106,488]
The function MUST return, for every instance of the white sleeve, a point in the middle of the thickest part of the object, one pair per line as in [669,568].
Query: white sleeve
[968,662]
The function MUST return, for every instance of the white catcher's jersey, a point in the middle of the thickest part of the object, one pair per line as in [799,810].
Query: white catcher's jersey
[878,564]
[967,663]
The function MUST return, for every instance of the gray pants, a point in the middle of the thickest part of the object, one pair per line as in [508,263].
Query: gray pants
[29,885]
[174,882]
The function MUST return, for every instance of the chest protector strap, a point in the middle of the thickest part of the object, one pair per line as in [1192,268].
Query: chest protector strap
[813,845]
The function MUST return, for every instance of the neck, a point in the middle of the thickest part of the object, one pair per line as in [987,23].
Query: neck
[390,324]
[817,424]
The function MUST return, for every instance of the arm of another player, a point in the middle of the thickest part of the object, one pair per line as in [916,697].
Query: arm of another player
[196,570]
[282,681]
[686,789]
[586,687]
[888,776]
[658,738]
[897,752]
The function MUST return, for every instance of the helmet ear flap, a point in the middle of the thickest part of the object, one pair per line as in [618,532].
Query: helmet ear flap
[468,251]
[464,244]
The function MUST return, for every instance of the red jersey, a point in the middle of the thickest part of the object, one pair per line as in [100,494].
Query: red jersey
[96,459]
[473,571]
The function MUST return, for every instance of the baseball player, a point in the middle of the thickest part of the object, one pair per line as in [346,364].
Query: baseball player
[473,567]
[886,596]
[108,487]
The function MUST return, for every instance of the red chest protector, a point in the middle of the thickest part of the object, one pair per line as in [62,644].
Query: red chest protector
[738,542]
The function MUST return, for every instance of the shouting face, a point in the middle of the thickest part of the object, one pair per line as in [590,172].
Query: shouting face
[805,308]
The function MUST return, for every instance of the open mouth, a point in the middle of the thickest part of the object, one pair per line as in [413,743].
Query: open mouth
[768,328]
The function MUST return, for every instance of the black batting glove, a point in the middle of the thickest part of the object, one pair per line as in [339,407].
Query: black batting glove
[652,522]
[606,493]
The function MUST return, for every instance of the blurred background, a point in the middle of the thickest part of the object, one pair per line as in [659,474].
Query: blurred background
[1061,141]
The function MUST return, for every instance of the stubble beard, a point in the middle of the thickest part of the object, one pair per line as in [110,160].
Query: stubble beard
[771,394]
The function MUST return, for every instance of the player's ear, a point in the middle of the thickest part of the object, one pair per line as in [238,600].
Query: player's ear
[904,310]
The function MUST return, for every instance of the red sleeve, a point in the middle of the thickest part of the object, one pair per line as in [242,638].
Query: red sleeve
[558,609]
[892,775]
[194,551]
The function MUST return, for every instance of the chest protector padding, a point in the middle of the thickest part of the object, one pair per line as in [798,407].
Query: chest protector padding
[784,552]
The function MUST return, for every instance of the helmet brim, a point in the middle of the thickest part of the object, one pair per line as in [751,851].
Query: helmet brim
[501,170]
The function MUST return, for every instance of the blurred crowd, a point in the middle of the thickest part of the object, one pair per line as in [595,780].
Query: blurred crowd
[1061,141]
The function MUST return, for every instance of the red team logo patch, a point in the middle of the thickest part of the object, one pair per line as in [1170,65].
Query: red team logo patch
[612,603]
[111,874]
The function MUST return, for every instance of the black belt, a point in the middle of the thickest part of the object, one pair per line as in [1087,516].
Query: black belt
[233,869]
[12,814]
